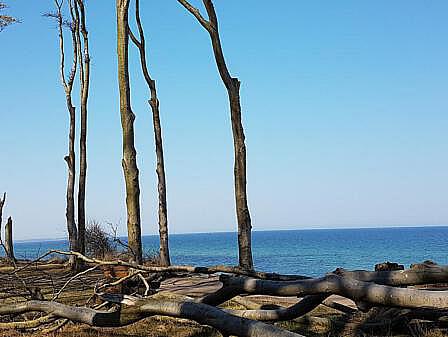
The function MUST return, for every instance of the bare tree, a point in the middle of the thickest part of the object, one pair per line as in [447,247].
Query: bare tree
[81,57]
[6,20]
[84,76]
[8,244]
[160,168]
[2,204]
[67,84]
[68,88]
[129,161]
[232,85]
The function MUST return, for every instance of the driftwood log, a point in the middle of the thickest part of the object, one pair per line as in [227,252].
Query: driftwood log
[358,291]
[199,312]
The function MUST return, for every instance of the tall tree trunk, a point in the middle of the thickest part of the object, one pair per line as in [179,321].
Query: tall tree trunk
[129,161]
[2,204]
[70,200]
[161,186]
[160,168]
[242,210]
[84,65]
[70,158]
[233,90]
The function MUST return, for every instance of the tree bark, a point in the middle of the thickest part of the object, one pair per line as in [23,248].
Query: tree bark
[160,167]
[84,75]
[232,85]
[9,244]
[70,158]
[129,161]
[2,203]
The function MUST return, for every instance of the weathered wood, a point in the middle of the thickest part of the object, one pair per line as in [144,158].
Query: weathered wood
[358,291]
[304,306]
[129,161]
[9,245]
[414,276]
[84,76]
[70,159]
[2,204]
[388,266]
[232,85]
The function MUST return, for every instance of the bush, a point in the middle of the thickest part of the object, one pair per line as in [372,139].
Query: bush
[151,258]
[98,242]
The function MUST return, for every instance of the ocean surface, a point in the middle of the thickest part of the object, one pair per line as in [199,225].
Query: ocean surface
[309,252]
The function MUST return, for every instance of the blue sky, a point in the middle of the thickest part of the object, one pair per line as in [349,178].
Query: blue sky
[345,110]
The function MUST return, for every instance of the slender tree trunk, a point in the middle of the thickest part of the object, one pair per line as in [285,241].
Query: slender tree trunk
[160,168]
[9,245]
[129,161]
[70,158]
[161,186]
[242,210]
[70,200]
[2,204]
[233,90]
[84,63]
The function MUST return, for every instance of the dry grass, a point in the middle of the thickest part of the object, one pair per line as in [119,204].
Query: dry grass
[151,327]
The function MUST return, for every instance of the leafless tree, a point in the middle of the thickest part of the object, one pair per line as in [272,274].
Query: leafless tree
[129,161]
[232,85]
[67,83]
[7,245]
[2,204]
[81,59]
[160,168]
[84,76]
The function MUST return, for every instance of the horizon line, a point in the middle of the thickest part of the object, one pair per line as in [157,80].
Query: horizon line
[260,230]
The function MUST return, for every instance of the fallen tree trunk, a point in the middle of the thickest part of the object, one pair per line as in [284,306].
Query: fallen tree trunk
[426,274]
[358,291]
[208,315]
[201,313]
[418,274]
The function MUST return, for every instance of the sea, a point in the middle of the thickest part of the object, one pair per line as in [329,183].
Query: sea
[311,252]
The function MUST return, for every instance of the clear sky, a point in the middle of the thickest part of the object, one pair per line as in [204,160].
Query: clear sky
[345,109]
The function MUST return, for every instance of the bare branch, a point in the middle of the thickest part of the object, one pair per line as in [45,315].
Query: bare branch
[196,13]
[299,309]
[188,269]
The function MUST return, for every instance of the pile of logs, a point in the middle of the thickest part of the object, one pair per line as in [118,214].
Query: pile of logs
[128,293]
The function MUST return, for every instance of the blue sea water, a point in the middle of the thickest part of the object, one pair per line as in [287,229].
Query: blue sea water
[308,252]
